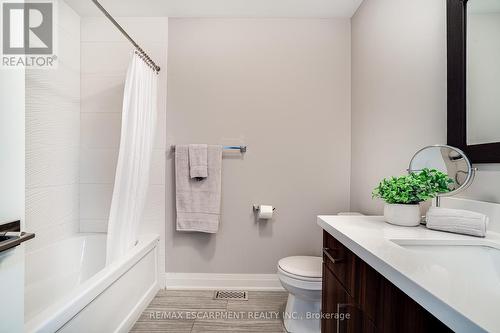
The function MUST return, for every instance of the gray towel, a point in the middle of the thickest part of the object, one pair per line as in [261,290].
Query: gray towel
[198,202]
[198,161]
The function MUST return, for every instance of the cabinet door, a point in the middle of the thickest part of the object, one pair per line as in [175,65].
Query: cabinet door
[399,313]
[340,312]
[390,308]
[333,295]
[354,320]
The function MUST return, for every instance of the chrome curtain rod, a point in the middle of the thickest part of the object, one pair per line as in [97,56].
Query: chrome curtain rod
[242,149]
[144,56]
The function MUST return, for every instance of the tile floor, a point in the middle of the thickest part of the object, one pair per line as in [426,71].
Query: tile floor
[197,312]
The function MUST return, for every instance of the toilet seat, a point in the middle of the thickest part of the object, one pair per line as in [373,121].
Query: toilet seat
[302,267]
[298,277]
[300,282]
[301,272]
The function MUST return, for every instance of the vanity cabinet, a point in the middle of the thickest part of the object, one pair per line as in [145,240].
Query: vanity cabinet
[356,298]
[341,305]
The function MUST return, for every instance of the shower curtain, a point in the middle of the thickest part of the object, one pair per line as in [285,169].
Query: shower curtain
[134,159]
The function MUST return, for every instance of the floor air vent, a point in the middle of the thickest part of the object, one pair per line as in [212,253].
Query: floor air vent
[231,295]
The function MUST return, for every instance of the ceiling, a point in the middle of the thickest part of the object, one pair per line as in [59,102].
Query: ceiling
[220,8]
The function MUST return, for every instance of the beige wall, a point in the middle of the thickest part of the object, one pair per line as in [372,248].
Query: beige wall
[485,186]
[399,95]
[281,86]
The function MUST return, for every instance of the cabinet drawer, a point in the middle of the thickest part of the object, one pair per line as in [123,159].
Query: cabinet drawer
[340,260]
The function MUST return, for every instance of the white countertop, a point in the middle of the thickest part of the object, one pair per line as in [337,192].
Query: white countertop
[460,301]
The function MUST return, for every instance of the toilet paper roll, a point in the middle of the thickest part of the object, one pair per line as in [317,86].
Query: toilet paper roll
[265,212]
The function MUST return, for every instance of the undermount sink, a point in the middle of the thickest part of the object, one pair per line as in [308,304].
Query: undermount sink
[469,242]
[464,260]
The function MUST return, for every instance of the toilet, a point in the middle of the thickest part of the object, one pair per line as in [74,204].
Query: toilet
[301,277]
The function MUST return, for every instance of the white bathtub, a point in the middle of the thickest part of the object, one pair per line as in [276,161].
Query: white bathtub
[68,289]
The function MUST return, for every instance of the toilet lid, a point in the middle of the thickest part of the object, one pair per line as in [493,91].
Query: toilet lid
[302,266]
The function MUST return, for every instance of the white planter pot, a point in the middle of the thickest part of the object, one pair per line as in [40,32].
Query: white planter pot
[403,215]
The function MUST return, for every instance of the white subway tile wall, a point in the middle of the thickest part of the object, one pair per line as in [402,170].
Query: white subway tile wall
[53,139]
[73,121]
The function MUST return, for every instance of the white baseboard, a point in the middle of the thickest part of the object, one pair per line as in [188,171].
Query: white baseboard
[208,281]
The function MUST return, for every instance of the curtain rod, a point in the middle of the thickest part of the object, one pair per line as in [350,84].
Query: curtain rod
[142,53]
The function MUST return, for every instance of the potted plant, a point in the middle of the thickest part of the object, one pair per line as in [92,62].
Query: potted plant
[403,194]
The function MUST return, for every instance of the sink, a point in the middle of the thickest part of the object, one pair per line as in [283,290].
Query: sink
[459,253]
[465,262]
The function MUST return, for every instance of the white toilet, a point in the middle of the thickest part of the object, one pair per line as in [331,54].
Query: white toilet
[301,277]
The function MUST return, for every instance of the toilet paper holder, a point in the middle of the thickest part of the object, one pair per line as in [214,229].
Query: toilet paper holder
[256,208]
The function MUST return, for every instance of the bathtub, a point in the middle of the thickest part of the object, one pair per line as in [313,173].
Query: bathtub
[68,289]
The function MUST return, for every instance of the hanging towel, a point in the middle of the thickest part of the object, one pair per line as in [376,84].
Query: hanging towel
[457,221]
[198,161]
[198,202]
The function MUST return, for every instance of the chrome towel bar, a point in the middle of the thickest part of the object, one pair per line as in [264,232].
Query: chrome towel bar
[242,149]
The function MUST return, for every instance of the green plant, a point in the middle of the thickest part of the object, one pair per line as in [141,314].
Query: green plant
[413,188]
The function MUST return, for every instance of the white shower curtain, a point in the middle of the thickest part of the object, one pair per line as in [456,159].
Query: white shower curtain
[134,159]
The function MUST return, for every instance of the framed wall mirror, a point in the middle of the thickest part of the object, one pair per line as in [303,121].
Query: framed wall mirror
[473,43]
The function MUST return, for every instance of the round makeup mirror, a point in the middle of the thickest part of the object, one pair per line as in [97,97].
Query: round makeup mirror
[449,160]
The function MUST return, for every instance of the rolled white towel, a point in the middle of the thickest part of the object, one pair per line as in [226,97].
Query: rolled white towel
[457,221]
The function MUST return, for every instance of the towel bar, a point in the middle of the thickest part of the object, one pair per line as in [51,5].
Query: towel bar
[242,149]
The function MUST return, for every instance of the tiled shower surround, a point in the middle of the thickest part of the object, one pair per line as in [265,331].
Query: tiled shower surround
[53,139]
[73,120]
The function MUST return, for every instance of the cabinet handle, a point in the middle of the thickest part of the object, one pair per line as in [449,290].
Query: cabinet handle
[329,256]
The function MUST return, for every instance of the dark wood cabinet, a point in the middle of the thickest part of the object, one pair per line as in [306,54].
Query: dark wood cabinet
[358,299]
[334,296]
[357,320]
